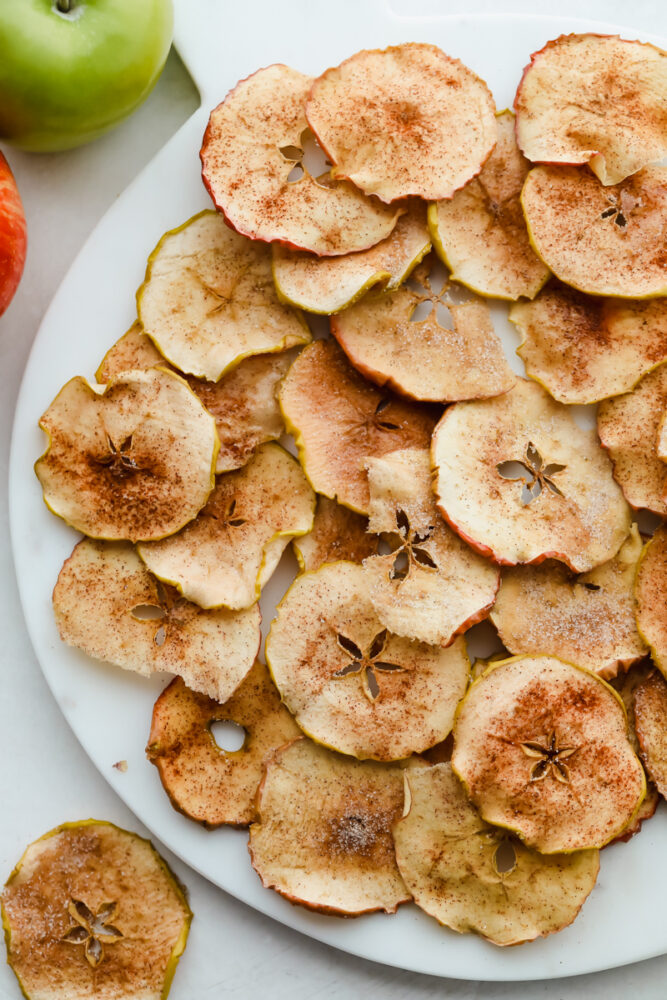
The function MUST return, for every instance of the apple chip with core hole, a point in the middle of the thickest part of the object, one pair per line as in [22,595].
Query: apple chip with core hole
[323,838]
[520,481]
[542,749]
[452,353]
[133,351]
[587,619]
[475,877]
[584,349]
[338,421]
[337,533]
[595,99]
[349,682]
[108,604]
[253,167]
[651,725]
[132,460]
[481,234]
[627,685]
[651,597]
[204,781]
[208,299]
[602,240]
[431,586]
[93,911]
[406,120]
[228,553]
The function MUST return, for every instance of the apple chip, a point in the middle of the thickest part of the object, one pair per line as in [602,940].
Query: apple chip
[475,877]
[431,586]
[253,167]
[228,553]
[651,725]
[595,99]
[602,240]
[651,597]
[337,533]
[108,604]
[350,683]
[133,351]
[338,421]
[93,911]
[481,234]
[323,838]
[203,781]
[520,481]
[131,460]
[406,120]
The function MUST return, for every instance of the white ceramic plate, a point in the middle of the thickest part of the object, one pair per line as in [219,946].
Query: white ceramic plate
[110,710]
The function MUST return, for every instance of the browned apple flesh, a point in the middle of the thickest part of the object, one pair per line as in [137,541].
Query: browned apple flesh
[337,533]
[651,724]
[661,441]
[651,597]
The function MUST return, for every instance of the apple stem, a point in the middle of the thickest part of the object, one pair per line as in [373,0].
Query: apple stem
[64,6]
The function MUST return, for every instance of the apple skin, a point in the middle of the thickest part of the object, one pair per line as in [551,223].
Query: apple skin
[65,78]
[13,238]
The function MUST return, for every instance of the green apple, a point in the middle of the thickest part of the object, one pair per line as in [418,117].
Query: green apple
[71,69]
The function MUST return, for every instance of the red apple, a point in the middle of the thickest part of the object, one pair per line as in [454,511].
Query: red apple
[13,237]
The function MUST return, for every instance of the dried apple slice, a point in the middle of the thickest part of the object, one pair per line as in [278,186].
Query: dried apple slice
[92,910]
[651,597]
[520,481]
[337,533]
[602,240]
[481,233]
[131,460]
[338,420]
[595,99]
[253,142]
[133,351]
[349,682]
[432,359]
[323,838]
[108,604]
[431,586]
[651,724]
[406,120]
[472,876]
[228,553]
[542,749]
[203,781]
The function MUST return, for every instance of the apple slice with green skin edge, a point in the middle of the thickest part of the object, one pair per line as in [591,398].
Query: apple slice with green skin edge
[473,877]
[107,604]
[651,597]
[228,553]
[402,121]
[650,705]
[131,352]
[206,783]
[601,240]
[337,533]
[432,586]
[521,482]
[94,910]
[481,234]
[134,459]
[595,99]
[542,749]
[323,837]
[251,145]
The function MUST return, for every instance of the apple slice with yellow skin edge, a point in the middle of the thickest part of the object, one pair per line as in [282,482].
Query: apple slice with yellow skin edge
[107,604]
[473,877]
[134,350]
[94,910]
[134,459]
[595,99]
[206,783]
[228,553]
[542,749]
[650,704]
[432,586]
[350,683]
[251,145]
[481,234]
[651,597]
[337,533]
[521,482]
[601,240]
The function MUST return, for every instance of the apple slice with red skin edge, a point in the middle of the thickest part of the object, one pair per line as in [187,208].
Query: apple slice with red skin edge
[338,420]
[473,877]
[13,235]
[134,459]
[595,99]
[107,604]
[251,145]
[601,240]
[431,586]
[651,597]
[203,781]
[650,705]
[402,121]
[481,234]
[519,481]
[337,533]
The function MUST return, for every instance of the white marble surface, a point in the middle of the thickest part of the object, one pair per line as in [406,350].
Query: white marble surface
[45,778]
